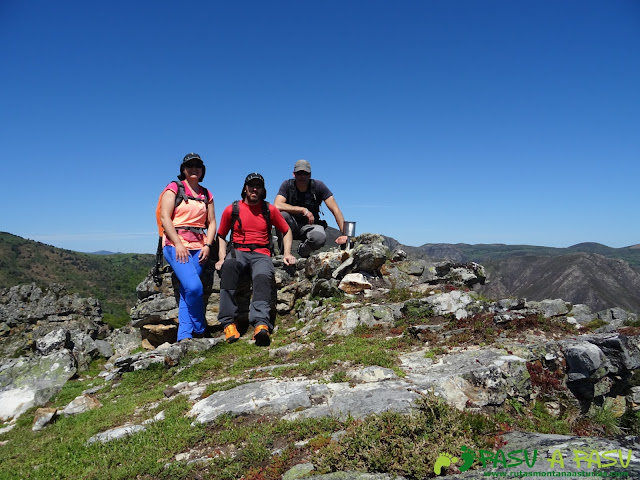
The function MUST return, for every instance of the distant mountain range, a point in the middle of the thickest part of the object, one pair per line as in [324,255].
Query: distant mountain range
[590,273]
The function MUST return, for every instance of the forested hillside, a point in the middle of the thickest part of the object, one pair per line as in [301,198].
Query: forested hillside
[110,278]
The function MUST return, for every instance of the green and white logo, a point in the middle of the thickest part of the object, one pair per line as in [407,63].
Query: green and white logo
[558,461]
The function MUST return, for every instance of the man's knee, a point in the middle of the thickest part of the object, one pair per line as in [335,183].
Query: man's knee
[316,238]
[229,274]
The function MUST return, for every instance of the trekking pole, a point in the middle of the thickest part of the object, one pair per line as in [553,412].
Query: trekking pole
[157,270]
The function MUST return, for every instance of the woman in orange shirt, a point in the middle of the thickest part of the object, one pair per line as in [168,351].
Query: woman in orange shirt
[189,232]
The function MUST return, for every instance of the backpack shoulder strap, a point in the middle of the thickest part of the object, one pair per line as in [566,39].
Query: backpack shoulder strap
[235,218]
[181,195]
[266,213]
[291,196]
[312,189]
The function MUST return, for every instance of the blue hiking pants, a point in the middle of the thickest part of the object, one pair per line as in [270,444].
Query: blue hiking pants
[191,309]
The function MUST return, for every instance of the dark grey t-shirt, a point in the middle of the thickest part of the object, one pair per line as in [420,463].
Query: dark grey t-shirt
[303,198]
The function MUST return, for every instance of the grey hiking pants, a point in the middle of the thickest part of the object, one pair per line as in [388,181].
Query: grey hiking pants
[313,237]
[262,272]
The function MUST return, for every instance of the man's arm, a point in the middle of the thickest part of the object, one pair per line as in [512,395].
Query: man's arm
[281,204]
[222,252]
[287,240]
[332,205]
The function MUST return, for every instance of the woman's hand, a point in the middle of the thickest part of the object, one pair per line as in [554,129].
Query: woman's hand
[219,264]
[182,254]
[203,256]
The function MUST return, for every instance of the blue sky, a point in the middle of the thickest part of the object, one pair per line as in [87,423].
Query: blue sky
[459,121]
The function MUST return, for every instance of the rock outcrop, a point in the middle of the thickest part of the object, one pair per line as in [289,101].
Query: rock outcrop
[476,354]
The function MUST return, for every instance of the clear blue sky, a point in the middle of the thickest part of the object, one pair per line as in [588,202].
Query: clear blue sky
[494,121]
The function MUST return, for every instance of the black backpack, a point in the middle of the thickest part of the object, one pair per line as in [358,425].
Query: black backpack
[311,202]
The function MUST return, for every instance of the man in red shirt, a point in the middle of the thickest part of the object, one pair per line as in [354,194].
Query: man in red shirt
[250,249]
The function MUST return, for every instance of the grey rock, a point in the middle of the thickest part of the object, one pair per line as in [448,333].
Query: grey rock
[325,288]
[81,404]
[43,417]
[616,318]
[510,304]
[105,349]
[372,374]
[473,378]
[54,340]
[323,264]
[29,382]
[266,397]
[342,400]
[370,253]
[344,322]
[298,471]
[455,302]
[585,361]
[398,255]
[124,340]
[582,314]
[550,308]
[115,434]
[84,349]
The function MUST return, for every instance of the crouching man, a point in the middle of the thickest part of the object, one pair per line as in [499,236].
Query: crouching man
[250,247]
[299,199]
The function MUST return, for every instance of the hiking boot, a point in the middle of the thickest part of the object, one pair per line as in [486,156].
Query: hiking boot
[231,333]
[303,250]
[261,336]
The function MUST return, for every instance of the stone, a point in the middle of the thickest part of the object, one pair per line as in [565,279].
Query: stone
[28,382]
[54,340]
[43,417]
[354,283]
[115,434]
[585,361]
[298,471]
[454,302]
[372,374]
[81,404]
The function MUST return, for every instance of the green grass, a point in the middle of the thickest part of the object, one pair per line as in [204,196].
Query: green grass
[407,445]
[243,447]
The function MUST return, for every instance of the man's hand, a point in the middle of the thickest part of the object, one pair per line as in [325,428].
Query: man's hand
[342,239]
[309,216]
[219,264]
[289,259]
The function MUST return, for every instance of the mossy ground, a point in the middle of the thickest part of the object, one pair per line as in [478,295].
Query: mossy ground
[259,447]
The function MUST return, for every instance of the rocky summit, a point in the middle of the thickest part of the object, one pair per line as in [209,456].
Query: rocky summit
[475,354]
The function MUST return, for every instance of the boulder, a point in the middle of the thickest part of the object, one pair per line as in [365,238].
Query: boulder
[29,382]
